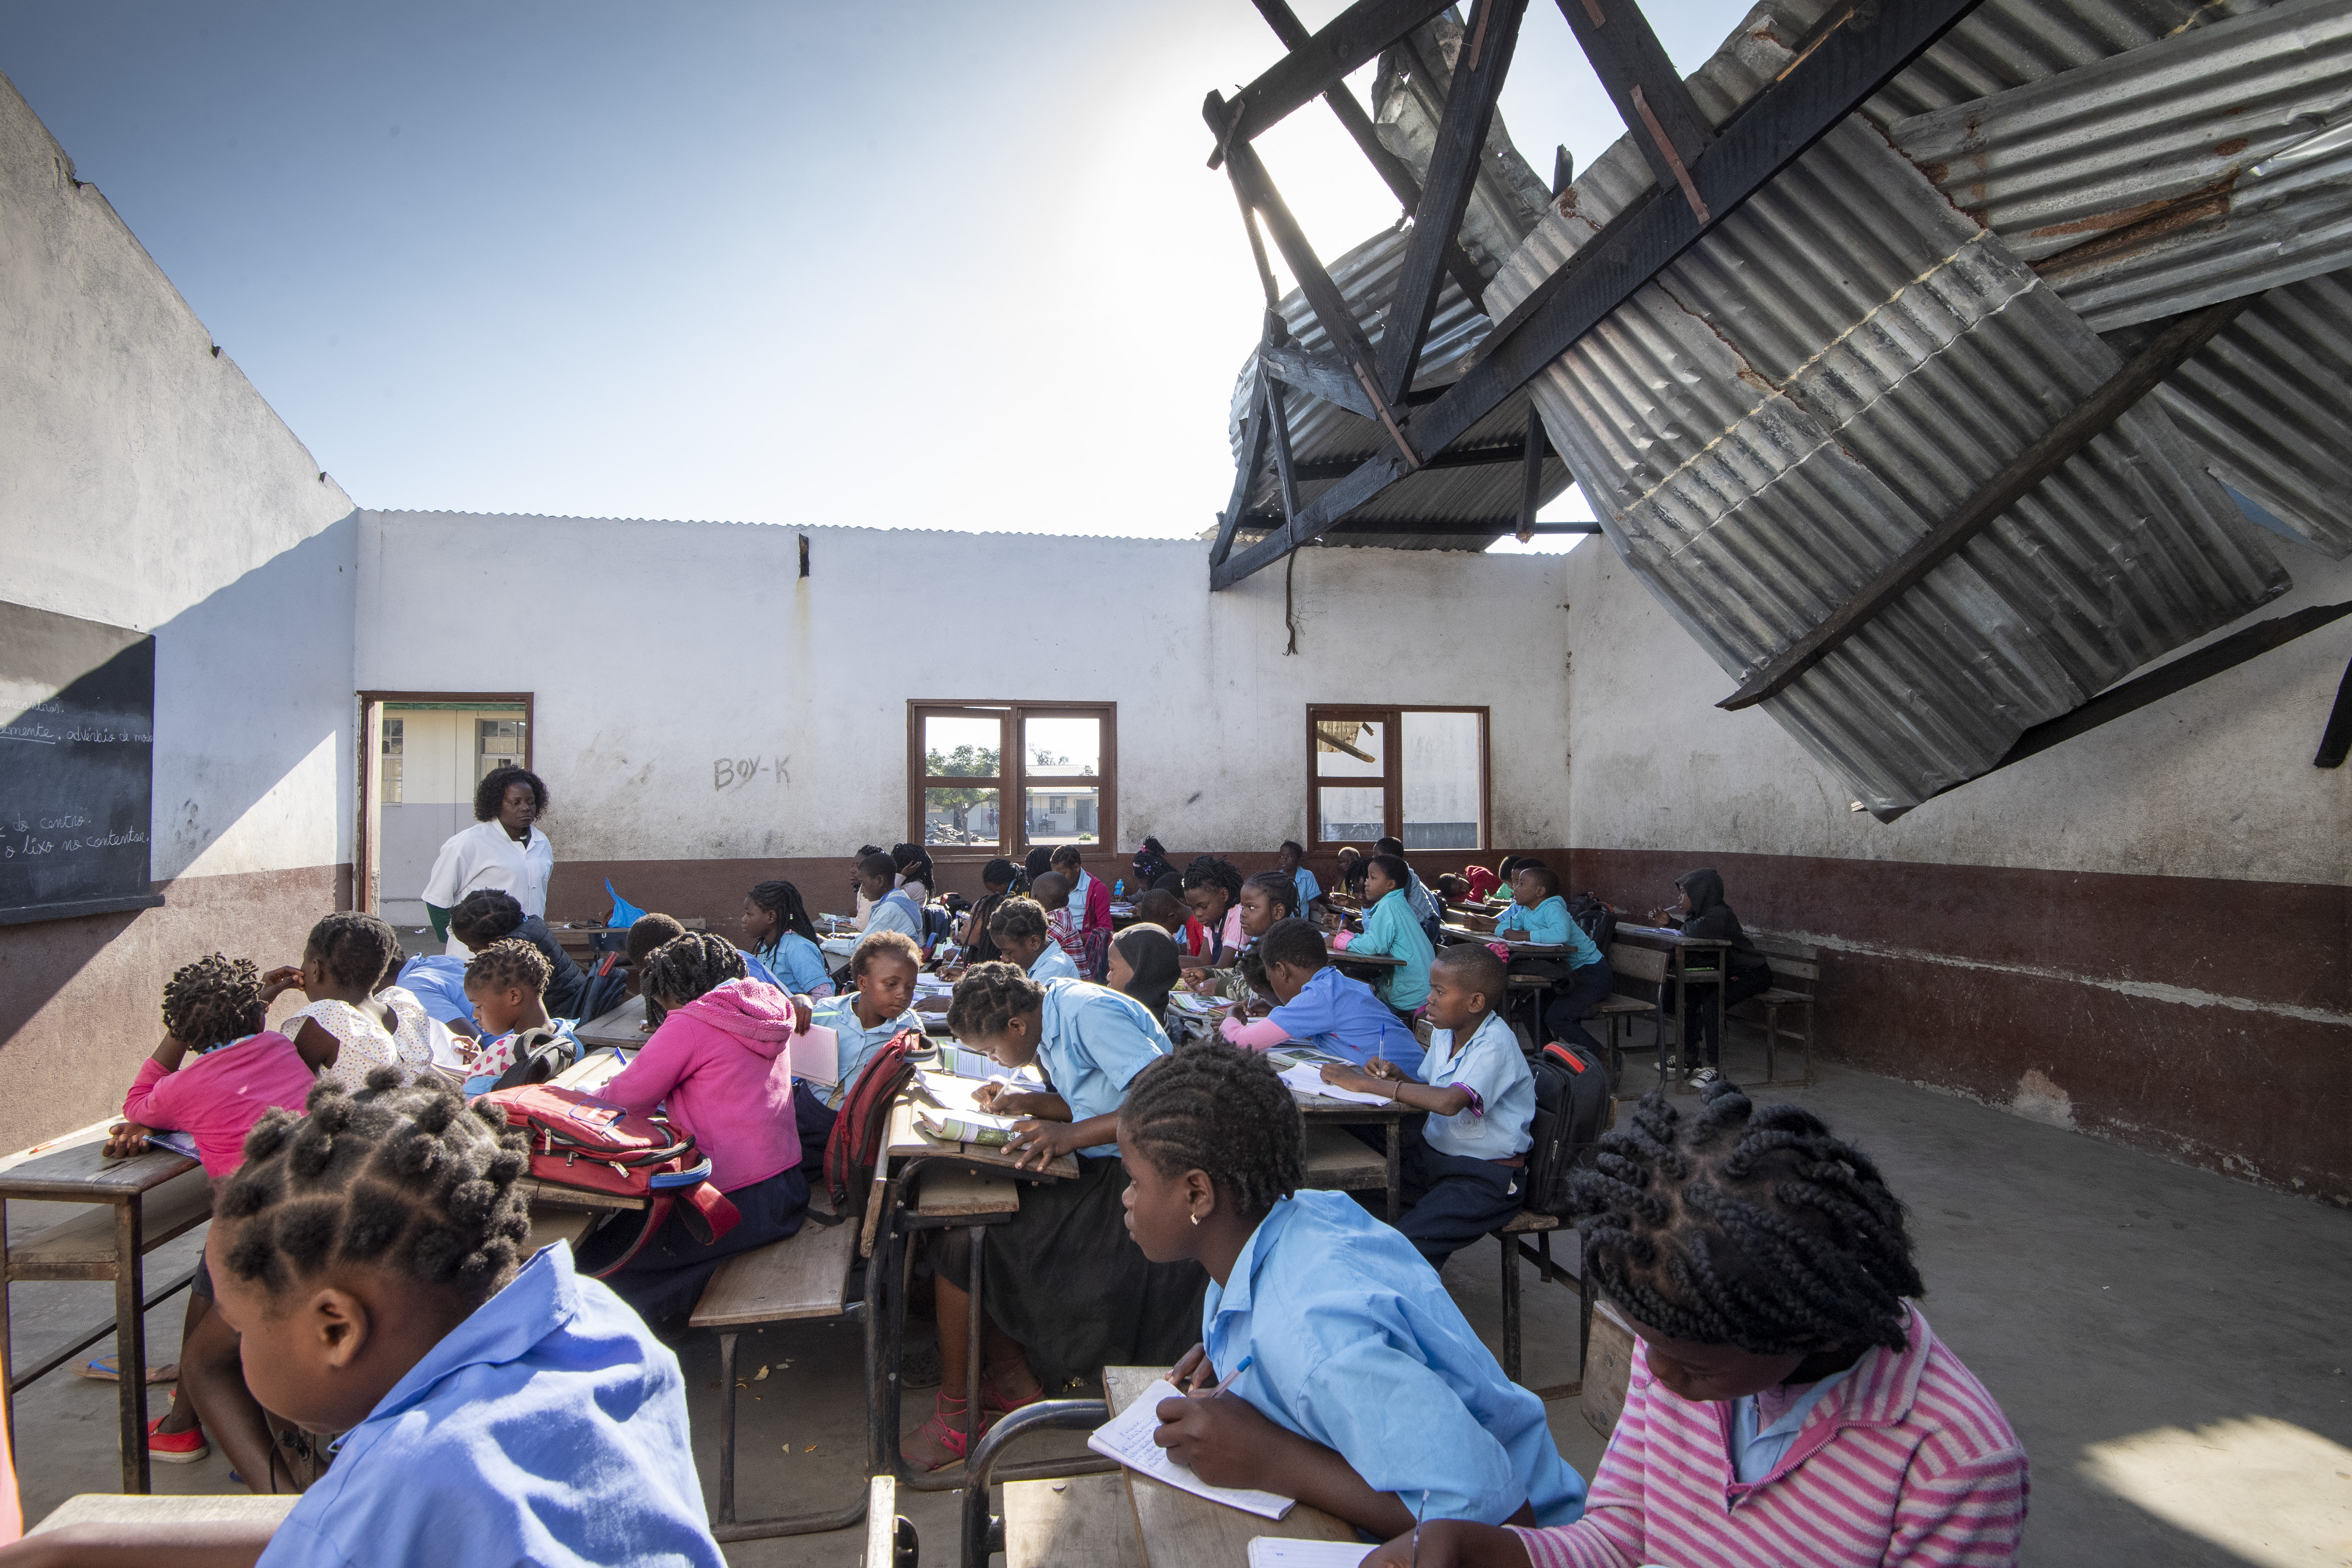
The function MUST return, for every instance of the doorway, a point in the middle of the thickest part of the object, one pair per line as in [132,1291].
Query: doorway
[421,755]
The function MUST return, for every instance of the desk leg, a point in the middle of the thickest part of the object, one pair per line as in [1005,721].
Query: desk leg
[977,1353]
[1396,1168]
[727,1426]
[131,1341]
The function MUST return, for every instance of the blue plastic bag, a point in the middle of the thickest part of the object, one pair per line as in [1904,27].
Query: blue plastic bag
[625,913]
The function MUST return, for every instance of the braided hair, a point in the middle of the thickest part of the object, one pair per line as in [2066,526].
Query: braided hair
[782,901]
[1017,920]
[913,862]
[214,1001]
[1745,1227]
[491,792]
[1002,873]
[354,948]
[1279,889]
[989,997]
[1221,1112]
[485,915]
[1209,871]
[510,962]
[688,966]
[408,1177]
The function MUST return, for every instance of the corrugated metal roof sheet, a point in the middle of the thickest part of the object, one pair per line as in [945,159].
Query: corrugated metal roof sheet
[1828,373]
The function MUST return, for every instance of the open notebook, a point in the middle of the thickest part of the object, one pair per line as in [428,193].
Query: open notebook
[1127,1438]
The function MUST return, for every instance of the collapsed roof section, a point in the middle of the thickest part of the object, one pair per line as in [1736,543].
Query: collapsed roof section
[1852,346]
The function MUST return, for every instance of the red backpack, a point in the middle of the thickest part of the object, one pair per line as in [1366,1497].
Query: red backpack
[579,1141]
[862,1127]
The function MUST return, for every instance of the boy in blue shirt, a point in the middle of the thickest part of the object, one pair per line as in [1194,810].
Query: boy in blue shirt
[1343,1373]
[1582,979]
[1391,927]
[1291,863]
[1319,1006]
[1464,1166]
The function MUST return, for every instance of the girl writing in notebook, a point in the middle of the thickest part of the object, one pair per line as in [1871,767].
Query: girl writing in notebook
[1064,1294]
[1332,1367]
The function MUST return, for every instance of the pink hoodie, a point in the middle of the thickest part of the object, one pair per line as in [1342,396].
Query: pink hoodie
[719,1063]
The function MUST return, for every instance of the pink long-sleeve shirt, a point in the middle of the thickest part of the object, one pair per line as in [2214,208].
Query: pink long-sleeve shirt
[719,1063]
[1908,1462]
[216,1098]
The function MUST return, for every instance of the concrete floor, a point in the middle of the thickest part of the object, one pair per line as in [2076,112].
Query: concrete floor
[2168,1342]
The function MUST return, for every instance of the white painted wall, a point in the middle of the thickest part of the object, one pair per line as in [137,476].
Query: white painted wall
[2216,781]
[657,649]
[143,482]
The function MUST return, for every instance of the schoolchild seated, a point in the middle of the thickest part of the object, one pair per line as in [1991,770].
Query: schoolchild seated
[784,941]
[1022,936]
[503,982]
[877,1004]
[1318,1006]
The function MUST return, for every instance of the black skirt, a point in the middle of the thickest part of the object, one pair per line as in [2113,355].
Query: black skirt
[1066,1280]
[665,1278]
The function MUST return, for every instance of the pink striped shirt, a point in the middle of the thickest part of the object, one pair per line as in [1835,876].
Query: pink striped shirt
[1908,1461]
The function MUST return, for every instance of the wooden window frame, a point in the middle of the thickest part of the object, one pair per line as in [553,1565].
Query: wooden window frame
[1012,781]
[1392,775]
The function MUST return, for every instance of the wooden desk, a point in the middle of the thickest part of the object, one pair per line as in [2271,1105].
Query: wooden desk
[1689,961]
[1363,960]
[624,1026]
[906,1142]
[592,1072]
[1080,1521]
[1178,1530]
[1316,1108]
[74,1169]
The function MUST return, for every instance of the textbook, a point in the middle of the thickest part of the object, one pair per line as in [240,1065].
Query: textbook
[816,1054]
[1275,1551]
[957,1094]
[965,1062]
[966,1126]
[181,1143]
[1127,1438]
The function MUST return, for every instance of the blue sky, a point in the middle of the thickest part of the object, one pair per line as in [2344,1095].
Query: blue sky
[922,263]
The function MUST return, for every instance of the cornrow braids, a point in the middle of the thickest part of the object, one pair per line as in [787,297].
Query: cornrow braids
[989,997]
[884,944]
[1745,1227]
[485,915]
[213,1001]
[1208,870]
[512,961]
[1279,889]
[782,901]
[685,967]
[1017,920]
[1222,1111]
[407,1177]
[354,948]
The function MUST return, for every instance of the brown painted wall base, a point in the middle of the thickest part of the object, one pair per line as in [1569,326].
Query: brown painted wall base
[2207,1021]
[80,1000]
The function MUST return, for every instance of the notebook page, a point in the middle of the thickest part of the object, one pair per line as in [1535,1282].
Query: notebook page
[1127,1438]
[1274,1551]
[1307,1078]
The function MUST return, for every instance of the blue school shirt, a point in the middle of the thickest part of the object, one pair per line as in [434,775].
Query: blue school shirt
[1549,923]
[548,1427]
[1424,904]
[439,981]
[894,910]
[1309,889]
[1364,1352]
[1054,964]
[796,963]
[858,1042]
[1334,1012]
[1390,927]
[1092,1041]
[1490,1068]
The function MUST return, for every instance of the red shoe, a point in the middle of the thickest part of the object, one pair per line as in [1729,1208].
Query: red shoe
[992,1399]
[935,1445]
[176,1447]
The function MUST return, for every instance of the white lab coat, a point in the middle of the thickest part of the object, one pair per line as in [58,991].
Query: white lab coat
[484,857]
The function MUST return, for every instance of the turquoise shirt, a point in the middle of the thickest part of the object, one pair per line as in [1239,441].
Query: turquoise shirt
[856,1042]
[1391,927]
[1092,1041]
[1548,923]
[1366,1353]
[1490,1070]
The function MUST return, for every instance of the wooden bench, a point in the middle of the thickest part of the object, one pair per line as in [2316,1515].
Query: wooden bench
[1791,961]
[804,1276]
[1641,966]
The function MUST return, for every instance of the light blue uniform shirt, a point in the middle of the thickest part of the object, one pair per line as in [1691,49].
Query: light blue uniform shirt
[1309,889]
[1054,964]
[858,1042]
[1334,1012]
[1754,1453]
[1494,1126]
[1390,927]
[548,1427]
[1549,923]
[895,911]
[1092,1041]
[1425,902]
[1364,1352]
[797,964]
[439,981]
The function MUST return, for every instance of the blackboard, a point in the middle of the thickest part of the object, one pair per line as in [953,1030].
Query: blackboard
[77,766]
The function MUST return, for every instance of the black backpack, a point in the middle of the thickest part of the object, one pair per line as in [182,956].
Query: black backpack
[1572,1112]
[603,987]
[1598,919]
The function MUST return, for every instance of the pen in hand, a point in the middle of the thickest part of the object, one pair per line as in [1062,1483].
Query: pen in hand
[1416,1528]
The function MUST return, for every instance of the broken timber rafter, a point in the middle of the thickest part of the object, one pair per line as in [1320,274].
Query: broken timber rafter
[1312,68]
[1650,95]
[2138,376]
[1859,53]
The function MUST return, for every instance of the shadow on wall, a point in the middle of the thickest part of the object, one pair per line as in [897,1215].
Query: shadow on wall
[251,683]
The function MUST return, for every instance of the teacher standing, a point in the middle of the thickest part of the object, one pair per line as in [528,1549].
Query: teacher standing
[504,849]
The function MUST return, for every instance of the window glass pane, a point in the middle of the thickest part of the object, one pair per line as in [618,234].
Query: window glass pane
[956,747]
[1060,813]
[1351,748]
[500,746]
[1351,815]
[961,816]
[1441,782]
[388,770]
[1062,748]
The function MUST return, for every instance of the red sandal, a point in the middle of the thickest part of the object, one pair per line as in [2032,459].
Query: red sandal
[935,1445]
[993,1402]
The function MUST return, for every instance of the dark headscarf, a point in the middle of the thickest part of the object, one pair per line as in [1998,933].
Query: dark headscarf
[1151,863]
[1712,919]
[1151,953]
